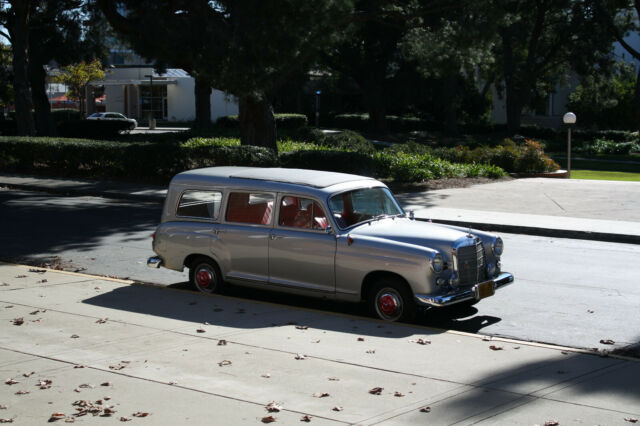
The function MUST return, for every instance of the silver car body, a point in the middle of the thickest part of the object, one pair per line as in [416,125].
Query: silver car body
[333,262]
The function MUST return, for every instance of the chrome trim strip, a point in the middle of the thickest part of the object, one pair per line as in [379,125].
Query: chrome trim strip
[155,262]
[460,295]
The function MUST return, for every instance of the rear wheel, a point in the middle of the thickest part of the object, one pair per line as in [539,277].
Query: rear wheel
[204,275]
[391,300]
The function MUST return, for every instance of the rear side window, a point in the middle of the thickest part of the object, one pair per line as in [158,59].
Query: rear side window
[253,208]
[201,204]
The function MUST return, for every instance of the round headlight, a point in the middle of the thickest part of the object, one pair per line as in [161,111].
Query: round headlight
[437,263]
[498,246]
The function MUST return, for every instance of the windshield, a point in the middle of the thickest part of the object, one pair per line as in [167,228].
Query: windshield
[360,205]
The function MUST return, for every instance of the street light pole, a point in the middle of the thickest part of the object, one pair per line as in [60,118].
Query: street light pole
[318,93]
[569,119]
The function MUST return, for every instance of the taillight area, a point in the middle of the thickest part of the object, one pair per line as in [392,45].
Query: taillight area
[153,236]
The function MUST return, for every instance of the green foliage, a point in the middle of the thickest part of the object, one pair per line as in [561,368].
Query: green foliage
[335,161]
[78,75]
[607,99]
[283,121]
[346,140]
[60,115]
[360,122]
[603,146]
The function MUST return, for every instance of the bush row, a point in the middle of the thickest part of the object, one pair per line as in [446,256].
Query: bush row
[527,157]
[283,121]
[153,161]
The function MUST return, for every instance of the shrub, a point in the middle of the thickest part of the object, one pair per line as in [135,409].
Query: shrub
[335,161]
[360,122]
[283,121]
[602,146]
[347,141]
[60,115]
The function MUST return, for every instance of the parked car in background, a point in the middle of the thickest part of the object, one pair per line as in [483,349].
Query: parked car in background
[110,116]
[323,234]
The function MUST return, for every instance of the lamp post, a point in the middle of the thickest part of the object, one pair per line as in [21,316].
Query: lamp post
[318,93]
[152,121]
[569,119]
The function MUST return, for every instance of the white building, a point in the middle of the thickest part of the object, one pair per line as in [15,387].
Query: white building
[136,90]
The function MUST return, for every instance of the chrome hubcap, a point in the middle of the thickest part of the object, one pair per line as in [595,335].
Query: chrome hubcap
[204,278]
[388,304]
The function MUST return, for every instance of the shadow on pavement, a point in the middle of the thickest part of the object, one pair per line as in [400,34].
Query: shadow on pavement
[69,223]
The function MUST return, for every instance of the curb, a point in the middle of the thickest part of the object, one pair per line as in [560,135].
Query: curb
[542,232]
[115,195]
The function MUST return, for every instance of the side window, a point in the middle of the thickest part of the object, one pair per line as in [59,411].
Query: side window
[202,204]
[299,212]
[253,208]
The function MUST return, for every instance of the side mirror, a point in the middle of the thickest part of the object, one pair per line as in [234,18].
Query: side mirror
[328,230]
[412,216]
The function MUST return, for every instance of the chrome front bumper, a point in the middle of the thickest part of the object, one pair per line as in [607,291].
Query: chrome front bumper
[154,262]
[461,294]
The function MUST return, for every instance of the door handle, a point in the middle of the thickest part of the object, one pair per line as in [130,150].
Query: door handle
[219,231]
[275,237]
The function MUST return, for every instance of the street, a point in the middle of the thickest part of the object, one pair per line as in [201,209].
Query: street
[567,292]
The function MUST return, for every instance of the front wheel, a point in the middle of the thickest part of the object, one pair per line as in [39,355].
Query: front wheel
[205,276]
[391,300]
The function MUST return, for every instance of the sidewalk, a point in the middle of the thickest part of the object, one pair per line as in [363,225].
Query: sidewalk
[184,357]
[563,208]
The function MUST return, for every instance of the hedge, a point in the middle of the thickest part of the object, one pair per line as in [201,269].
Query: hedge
[360,122]
[98,129]
[283,121]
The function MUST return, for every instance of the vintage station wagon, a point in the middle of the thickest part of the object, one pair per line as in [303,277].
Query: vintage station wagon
[322,234]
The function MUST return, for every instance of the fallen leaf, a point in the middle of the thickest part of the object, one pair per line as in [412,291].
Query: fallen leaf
[321,394]
[224,362]
[3,407]
[42,281]
[376,391]
[102,320]
[8,307]
[69,420]
[360,339]
[334,379]
[316,341]
[552,423]
[398,394]
[74,336]
[35,312]
[38,271]
[222,342]
[516,347]
[86,386]
[125,419]
[607,342]
[306,418]
[11,382]
[302,327]
[590,311]
[22,392]
[105,384]
[300,356]
[486,339]
[76,390]
[140,414]
[266,376]
[78,366]
[109,411]
[201,330]
[425,410]
[631,419]
[57,416]
[6,420]
[268,419]
[273,407]
[18,321]
[495,348]
[44,384]
[337,408]
[117,367]
[371,351]
[21,276]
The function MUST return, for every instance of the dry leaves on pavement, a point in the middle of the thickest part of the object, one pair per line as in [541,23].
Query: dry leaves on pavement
[268,419]
[18,321]
[273,407]
[300,357]
[337,408]
[607,342]
[376,391]
[496,348]
[222,342]
[224,362]
[321,394]
[11,382]
[631,419]
[140,414]
[425,410]
[306,418]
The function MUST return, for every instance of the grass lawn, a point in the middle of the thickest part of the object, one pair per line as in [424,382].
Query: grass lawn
[605,175]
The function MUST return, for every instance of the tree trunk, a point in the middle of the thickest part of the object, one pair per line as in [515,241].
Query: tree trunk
[375,104]
[637,100]
[19,29]
[449,91]
[43,119]
[257,123]
[514,111]
[203,103]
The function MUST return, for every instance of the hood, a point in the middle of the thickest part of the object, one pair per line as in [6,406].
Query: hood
[416,232]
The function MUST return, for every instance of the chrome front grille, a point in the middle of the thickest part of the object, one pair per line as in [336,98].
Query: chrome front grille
[471,264]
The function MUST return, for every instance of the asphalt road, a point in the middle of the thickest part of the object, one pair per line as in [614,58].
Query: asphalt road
[567,292]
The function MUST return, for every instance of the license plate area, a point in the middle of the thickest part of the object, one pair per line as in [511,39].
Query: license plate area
[485,289]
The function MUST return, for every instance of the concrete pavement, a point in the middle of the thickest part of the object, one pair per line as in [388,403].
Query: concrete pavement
[185,357]
[565,208]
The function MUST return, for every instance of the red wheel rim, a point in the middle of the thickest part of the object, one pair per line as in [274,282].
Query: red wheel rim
[204,278]
[388,304]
